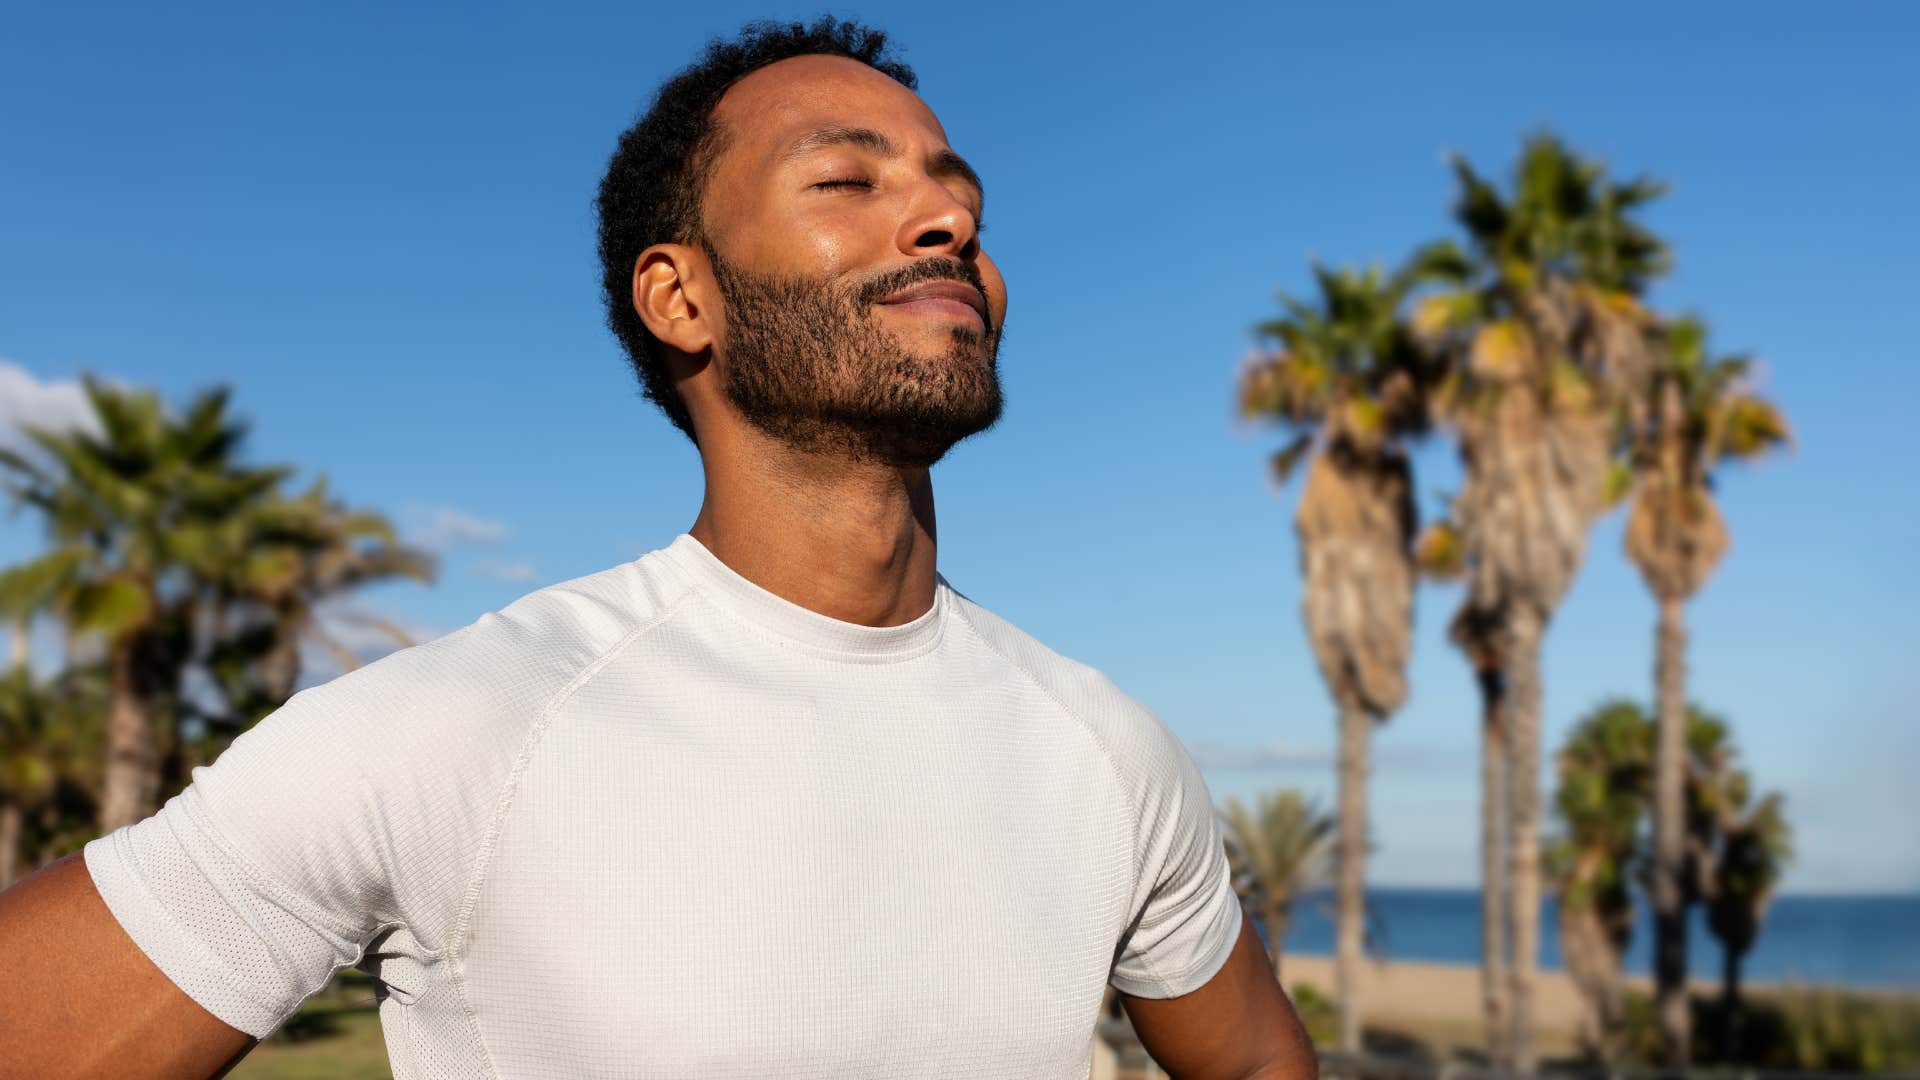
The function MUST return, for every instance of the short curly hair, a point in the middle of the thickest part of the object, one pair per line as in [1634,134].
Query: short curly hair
[657,177]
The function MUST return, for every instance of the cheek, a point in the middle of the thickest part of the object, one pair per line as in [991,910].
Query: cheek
[779,236]
[827,243]
[996,288]
[822,249]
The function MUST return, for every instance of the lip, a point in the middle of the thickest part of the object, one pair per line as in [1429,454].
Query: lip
[956,299]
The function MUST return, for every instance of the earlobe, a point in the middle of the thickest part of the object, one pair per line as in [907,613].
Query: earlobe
[666,280]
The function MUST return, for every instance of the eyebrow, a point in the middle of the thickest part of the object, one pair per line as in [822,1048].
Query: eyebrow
[940,162]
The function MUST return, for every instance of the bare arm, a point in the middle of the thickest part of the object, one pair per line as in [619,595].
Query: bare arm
[79,999]
[1239,1026]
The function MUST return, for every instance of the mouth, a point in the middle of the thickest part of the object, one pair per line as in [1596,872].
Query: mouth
[949,299]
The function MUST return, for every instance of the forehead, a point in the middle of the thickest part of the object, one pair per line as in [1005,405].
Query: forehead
[770,108]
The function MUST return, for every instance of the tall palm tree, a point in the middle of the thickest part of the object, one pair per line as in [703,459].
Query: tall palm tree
[1345,377]
[1605,775]
[131,514]
[1700,412]
[1440,553]
[1277,853]
[1544,326]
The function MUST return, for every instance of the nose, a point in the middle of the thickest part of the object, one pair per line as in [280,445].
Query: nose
[939,224]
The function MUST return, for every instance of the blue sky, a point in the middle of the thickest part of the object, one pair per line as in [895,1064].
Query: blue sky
[375,224]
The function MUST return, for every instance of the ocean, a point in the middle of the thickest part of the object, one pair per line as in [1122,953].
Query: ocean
[1863,941]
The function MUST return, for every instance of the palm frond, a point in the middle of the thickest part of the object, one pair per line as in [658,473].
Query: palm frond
[1286,459]
[110,607]
[33,586]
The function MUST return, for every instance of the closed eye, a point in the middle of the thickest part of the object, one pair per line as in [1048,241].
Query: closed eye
[979,223]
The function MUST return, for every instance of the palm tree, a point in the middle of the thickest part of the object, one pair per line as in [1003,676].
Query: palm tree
[289,555]
[1605,775]
[132,515]
[1544,326]
[1700,412]
[49,751]
[72,735]
[1736,850]
[27,768]
[1440,554]
[1277,853]
[1345,377]
[1755,848]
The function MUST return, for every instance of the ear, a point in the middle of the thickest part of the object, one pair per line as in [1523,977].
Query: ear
[673,295]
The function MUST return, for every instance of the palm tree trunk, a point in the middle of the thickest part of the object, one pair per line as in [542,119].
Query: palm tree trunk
[1276,939]
[1613,1016]
[1493,854]
[1731,1016]
[9,844]
[130,758]
[1578,930]
[1669,834]
[1523,853]
[1594,966]
[1350,875]
[19,644]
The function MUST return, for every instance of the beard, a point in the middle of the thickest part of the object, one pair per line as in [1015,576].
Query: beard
[807,363]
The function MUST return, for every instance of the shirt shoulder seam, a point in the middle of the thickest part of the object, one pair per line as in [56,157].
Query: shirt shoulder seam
[451,949]
[1106,753]
[1106,750]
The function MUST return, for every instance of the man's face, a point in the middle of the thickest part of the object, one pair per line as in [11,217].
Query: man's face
[861,317]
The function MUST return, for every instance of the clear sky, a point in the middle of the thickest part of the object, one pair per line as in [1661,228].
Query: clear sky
[374,222]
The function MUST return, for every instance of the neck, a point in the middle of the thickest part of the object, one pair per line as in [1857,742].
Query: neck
[852,541]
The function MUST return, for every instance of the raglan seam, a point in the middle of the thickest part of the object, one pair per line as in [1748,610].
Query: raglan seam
[452,949]
[1106,752]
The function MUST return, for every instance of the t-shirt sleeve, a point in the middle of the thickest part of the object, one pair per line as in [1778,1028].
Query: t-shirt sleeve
[245,947]
[263,878]
[1190,917]
[350,811]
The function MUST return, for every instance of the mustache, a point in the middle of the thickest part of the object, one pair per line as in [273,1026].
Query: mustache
[885,283]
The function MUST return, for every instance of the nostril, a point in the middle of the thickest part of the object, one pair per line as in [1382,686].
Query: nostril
[935,238]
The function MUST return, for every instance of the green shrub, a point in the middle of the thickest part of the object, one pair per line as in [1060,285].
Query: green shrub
[1317,1013]
[1794,1028]
[1833,1029]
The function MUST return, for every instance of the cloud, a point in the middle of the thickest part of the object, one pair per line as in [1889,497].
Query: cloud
[361,633]
[1273,755]
[442,529]
[25,399]
[438,528]
[1281,756]
[507,571]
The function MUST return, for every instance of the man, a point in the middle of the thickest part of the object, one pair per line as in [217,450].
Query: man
[772,801]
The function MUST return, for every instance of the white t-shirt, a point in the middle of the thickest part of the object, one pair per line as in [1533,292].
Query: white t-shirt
[658,822]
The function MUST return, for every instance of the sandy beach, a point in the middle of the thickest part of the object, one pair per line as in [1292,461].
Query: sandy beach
[1441,1002]
[1431,991]
[1437,1001]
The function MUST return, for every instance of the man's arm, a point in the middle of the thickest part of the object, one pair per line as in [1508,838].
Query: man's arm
[79,999]
[1239,1026]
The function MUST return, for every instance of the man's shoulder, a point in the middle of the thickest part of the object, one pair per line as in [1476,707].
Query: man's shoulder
[418,744]
[1126,730]
[508,662]
[565,627]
